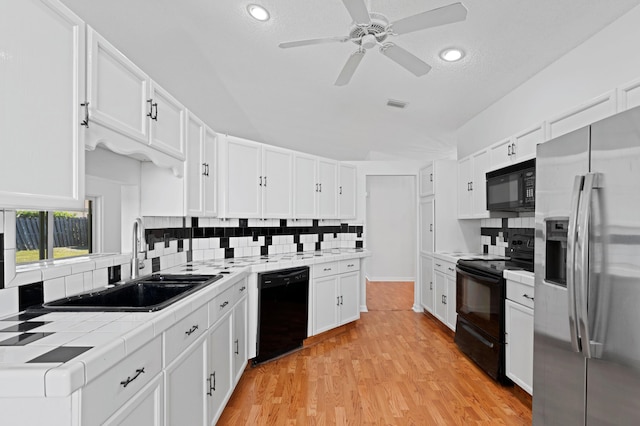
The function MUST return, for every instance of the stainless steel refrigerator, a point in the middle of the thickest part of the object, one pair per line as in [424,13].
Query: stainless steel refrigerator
[587,276]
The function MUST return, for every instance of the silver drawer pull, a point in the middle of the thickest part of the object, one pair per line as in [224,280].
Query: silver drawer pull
[326,269]
[437,264]
[351,265]
[451,269]
[224,304]
[243,288]
[191,330]
[526,296]
[125,383]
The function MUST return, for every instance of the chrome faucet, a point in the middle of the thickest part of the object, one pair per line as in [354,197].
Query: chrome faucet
[138,248]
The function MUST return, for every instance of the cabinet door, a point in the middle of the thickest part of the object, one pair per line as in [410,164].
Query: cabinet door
[196,168]
[427,227]
[218,379]
[167,122]
[426,180]
[326,302]
[186,387]
[328,183]
[243,172]
[526,143]
[117,90]
[440,310]
[502,154]
[347,192]
[143,409]
[277,172]
[305,186]
[211,176]
[450,300]
[481,164]
[349,291]
[465,176]
[43,84]
[426,283]
[519,347]
[239,340]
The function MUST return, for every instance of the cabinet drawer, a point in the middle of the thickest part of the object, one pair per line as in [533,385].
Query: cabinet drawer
[183,333]
[325,269]
[447,268]
[241,289]
[106,394]
[349,265]
[222,304]
[520,293]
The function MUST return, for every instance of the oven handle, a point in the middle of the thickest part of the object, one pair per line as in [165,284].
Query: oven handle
[477,335]
[478,275]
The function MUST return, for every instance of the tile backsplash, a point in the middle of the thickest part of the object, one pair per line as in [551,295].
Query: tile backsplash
[495,232]
[170,241]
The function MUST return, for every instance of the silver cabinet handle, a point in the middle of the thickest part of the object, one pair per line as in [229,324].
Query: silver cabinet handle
[152,105]
[451,269]
[320,185]
[340,190]
[337,300]
[326,269]
[226,302]
[431,177]
[317,188]
[243,288]
[351,265]
[513,148]
[204,169]
[430,285]
[130,379]
[260,182]
[438,265]
[431,227]
[85,122]
[526,296]
[509,150]
[265,181]
[471,183]
[237,346]
[341,300]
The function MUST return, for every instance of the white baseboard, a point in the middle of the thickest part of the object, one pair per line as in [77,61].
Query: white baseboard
[363,308]
[392,279]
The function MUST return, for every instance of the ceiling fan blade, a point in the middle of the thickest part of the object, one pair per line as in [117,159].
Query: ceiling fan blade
[358,11]
[432,18]
[299,43]
[405,59]
[350,68]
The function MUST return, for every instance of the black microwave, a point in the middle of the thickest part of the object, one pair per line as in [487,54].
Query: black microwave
[513,188]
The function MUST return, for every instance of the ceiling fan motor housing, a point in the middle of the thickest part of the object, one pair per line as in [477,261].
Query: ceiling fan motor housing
[369,35]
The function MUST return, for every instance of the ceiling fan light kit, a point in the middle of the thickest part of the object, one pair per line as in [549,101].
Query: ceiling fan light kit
[373,29]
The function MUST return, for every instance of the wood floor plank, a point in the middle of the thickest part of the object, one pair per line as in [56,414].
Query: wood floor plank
[392,367]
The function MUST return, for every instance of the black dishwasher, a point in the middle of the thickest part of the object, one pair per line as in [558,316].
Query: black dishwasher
[283,300]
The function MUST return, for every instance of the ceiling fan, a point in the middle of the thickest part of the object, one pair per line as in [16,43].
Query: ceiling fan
[373,29]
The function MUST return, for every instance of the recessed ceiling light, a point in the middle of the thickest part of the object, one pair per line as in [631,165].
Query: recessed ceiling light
[452,54]
[258,12]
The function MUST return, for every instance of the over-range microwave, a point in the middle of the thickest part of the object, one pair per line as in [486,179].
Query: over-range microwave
[512,188]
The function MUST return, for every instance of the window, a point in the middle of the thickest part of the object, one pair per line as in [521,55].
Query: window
[42,235]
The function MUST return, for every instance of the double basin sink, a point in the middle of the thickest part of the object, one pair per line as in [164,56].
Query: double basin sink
[142,295]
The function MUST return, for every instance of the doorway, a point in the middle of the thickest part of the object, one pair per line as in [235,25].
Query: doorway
[391,237]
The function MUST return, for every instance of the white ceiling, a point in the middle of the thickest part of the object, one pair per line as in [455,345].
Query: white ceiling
[227,67]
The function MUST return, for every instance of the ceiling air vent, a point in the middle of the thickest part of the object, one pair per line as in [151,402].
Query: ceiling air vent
[396,104]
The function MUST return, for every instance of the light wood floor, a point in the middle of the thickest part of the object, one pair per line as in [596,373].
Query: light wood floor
[392,367]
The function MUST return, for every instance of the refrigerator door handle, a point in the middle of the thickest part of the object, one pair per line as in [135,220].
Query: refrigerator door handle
[591,182]
[571,263]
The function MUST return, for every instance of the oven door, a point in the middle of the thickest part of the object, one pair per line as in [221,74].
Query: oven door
[480,300]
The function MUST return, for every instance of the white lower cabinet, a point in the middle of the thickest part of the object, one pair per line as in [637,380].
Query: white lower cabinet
[239,340]
[335,294]
[185,393]
[144,409]
[519,334]
[218,373]
[426,284]
[444,275]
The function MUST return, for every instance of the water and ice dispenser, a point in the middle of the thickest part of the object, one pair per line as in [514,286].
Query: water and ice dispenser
[556,251]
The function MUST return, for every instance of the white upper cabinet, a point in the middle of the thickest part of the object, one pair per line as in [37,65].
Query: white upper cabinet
[117,90]
[42,87]
[472,193]
[426,180]
[125,106]
[327,189]
[277,177]
[426,226]
[305,194]
[241,178]
[347,192]
[167,122]
[516,149]
[201,169]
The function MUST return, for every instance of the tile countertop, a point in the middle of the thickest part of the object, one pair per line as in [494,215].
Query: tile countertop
[54,354]
[524,277]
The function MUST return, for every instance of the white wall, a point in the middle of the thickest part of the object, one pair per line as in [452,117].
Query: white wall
[115,181]
[606,60]
[391,228]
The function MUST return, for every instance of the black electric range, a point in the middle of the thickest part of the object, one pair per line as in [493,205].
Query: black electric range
[480,298]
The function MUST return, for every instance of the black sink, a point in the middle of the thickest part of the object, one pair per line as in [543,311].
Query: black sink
[143,295]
